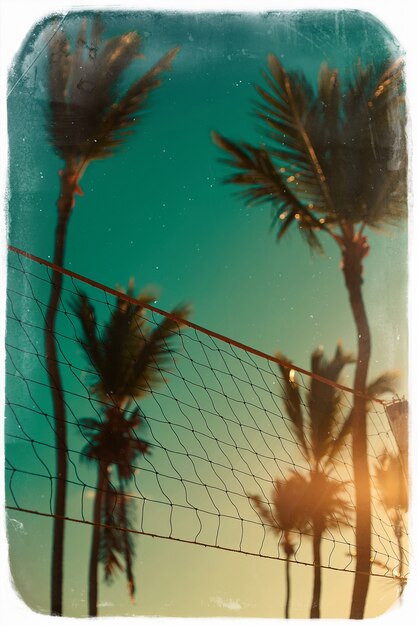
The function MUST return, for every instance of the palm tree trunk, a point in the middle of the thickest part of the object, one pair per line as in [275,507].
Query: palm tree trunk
[288,548]
[102,482]
[316,597]
[127,546]
[287,607]
[65,205]
[353,254]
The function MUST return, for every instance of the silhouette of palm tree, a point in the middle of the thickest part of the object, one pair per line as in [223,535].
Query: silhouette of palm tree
[285,515]
[129,356]
[87,121]
[393,490]
[298,503]
[334,162]
[320,431]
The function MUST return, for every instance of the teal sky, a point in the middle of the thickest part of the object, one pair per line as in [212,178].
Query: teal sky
[158,211]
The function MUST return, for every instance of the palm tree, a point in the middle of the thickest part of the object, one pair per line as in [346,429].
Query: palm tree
[335,162]
[285,515]
[87,121]
[321,429]
[129,357]
[393,490]
[303,501]
[320,434]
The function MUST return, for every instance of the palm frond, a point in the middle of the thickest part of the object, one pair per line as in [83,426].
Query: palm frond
[114,440]
[87,119]
[388,121]
[124,512]
[329,101]
[334,158]
[262,182]
[385,383]
[293,402]
[110,539]
[286,511]
[324,499]
[287,112]
[156,350]
[131,354]
[122,339]
[370,168]
[288,503]
[324,400]
[97,31]
[339,439]
[59,67]
[83,309]
[116,545]
[126,112]
[359,88]
[113,353]
[392,75]
[91,430]
[302,501]
[264,512]
[60,63]
[74,88]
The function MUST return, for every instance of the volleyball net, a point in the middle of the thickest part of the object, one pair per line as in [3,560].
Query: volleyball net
[216,424]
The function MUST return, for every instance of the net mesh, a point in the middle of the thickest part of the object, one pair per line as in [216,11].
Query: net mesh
[216,424]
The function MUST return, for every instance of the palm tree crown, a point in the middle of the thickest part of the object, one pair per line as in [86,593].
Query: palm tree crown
[129,354]
[300,499]
[333,157]
[112,441]
[287,512]
[87,119]
[320,430]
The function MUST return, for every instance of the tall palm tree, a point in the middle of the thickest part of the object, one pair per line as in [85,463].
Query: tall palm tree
[87,121]
[334,162]
[285,515]
[320,432]
[393,490]
[129,357]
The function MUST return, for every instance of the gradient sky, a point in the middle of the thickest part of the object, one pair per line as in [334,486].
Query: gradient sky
[158,211]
